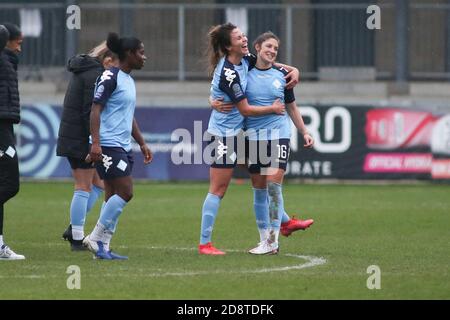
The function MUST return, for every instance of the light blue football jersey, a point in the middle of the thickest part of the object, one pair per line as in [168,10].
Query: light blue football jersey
[116,92]
[263,88]
[229,82]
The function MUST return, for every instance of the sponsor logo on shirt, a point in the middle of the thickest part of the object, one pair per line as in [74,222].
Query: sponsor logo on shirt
[105,76]
[230,75]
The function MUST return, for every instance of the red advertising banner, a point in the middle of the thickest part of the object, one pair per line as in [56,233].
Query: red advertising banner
[361,142]
[402,130]
[398,162]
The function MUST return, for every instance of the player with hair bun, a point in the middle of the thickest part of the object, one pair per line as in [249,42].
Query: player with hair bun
[112,126]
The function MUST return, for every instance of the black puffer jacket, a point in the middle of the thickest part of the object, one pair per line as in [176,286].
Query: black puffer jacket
[9,87]
[73,136]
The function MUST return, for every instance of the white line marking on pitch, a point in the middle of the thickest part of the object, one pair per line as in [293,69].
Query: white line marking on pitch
[311,261]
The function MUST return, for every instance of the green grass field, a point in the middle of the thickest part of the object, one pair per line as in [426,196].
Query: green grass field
[403,229]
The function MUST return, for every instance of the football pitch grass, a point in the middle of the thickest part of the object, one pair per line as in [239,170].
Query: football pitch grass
[402,229]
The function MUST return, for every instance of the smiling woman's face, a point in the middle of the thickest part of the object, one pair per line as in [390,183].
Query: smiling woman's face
[239,43]
[268,50]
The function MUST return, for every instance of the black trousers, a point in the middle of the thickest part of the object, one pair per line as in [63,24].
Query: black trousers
[9,167]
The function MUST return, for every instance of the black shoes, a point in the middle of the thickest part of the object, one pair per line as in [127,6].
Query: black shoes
[67,235]
[75,245]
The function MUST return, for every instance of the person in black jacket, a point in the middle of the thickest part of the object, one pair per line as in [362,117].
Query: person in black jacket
[14,44]
[11,37]
[73,136]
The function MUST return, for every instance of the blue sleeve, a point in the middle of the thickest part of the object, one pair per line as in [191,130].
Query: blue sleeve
[289,95]
[104,88]
[230,84]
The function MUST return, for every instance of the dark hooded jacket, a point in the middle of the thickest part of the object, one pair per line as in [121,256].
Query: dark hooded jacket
[73,136]
[9,87]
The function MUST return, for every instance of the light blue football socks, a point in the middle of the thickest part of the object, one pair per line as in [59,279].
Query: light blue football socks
[261,210]
[276,207]
[209,213]
[78,208]
[82,203]
[111,211]
[93,196]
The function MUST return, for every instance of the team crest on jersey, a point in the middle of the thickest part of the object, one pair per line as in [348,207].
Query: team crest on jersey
[276,83]
[230,75]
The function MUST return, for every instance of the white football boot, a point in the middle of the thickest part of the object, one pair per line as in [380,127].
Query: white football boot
[90,244]
[7,254]
[265,247]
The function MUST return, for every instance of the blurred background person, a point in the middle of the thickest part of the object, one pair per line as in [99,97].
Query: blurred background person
[14,44]
[10,46]
[73,136]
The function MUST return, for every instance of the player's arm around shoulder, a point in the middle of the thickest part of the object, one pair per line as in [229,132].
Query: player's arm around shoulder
[292,77]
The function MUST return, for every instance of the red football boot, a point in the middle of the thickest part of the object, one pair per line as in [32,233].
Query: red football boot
[294,224]
[209,249]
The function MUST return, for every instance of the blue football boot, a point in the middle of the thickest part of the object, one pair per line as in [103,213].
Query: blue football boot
[101,253]
[116,256]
